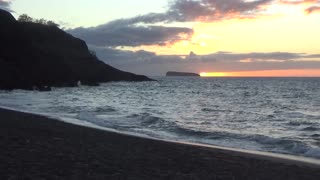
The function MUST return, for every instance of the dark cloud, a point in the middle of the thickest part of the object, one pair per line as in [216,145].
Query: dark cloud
[313,56]
[200,10]
[254,56]
[125,57]
[5,5]
[149,63]
[312,9]
[116,34]
[214,10]
[133,32]
[115,56]
[155,68]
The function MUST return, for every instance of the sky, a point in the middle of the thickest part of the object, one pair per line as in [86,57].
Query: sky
[219,37]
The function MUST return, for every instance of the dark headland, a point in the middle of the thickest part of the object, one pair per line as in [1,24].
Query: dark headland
[37,55]
[36,147]
[173,73]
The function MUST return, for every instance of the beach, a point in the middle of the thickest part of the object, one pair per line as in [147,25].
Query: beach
[36,147]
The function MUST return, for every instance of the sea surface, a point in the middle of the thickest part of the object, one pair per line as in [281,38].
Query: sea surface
[280,115]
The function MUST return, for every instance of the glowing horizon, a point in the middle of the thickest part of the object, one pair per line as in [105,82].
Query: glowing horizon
[213,74]
[267,73]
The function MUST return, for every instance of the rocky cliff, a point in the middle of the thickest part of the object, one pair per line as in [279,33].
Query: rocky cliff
[35,55]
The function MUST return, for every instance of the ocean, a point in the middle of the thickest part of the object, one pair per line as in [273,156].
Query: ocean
[280,115]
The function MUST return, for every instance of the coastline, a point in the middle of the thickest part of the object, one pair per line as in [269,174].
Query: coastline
[38,147]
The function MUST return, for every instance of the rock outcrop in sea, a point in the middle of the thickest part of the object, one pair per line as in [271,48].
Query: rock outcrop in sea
[41,56]
[172,73]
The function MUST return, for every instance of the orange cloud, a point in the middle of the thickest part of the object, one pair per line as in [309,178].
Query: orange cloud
[312,9]
[299,1]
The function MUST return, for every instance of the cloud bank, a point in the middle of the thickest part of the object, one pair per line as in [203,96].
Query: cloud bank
[149,63]
[129,35]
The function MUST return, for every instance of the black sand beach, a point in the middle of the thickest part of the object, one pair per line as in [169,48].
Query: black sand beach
[35,147]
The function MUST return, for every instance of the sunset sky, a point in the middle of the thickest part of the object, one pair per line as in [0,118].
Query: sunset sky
[224,37]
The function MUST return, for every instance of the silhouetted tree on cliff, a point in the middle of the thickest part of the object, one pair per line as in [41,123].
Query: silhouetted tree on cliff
[26,18]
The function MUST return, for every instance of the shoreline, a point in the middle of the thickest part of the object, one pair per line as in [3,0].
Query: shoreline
[40,147]
[262,154]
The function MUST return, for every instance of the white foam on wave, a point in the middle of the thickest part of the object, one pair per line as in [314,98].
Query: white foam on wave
[314,152]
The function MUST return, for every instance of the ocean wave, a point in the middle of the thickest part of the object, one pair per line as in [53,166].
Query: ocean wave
[68,109]
[105,109]
[300,123]
[150,121]
[284,145]
[94,119]
[313,152]
[295,115]
[311,128]
[87,116]
[278,145]
[182,131]
[215,110]
[315,135]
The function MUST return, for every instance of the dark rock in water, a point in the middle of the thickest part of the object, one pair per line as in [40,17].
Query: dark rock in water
[36,55]
[172,73]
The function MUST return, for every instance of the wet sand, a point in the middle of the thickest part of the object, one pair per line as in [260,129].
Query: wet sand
[35,147]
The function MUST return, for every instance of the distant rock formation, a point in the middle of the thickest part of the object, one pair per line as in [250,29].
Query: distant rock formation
[36,56]
[172,73]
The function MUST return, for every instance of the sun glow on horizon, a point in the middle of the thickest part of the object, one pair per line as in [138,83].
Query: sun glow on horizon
[266,73]
[212,74]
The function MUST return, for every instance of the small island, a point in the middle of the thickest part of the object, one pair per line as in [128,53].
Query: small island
[173,73]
